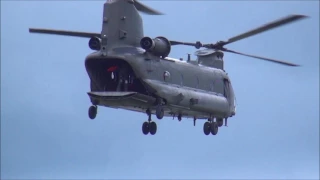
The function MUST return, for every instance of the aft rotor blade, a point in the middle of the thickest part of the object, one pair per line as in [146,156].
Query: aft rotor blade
[262,58]
[145,9]
[266,27]
[64,33]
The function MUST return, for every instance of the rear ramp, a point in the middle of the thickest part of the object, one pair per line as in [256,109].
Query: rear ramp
[127,100]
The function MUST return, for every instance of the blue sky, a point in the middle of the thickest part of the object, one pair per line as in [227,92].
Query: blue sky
[46,133]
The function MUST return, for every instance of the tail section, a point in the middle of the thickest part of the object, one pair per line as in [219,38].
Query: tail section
[122,24]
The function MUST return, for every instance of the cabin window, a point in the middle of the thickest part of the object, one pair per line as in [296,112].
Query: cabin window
[166,75]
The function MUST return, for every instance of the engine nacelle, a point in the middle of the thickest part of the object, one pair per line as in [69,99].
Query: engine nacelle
[95,43]
[159,46]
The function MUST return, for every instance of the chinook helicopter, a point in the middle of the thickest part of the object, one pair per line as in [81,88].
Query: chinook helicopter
[130,71]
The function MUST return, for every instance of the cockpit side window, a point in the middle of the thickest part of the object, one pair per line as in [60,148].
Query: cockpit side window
[233,97]
[229,94]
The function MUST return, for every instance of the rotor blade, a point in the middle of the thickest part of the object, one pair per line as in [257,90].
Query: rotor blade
[263,58]
[266,27]
[143,8]
[181,43]
[64,33]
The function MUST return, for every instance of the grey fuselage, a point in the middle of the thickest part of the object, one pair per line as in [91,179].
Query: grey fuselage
[186,88]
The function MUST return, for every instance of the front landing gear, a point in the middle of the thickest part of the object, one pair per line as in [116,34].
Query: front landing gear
[220,122]
[92,112]
[149,126]
[210,127]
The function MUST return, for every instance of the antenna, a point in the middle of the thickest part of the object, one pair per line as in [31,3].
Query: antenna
[189,57]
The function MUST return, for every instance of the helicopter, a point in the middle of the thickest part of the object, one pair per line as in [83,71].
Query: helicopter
[130,71]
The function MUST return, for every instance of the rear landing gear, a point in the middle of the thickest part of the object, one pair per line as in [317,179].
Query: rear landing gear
[210,127]
[149,126]
[92,112]
[145,128]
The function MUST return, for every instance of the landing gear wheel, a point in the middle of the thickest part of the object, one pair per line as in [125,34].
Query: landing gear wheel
[145,128]
[206,128]
[153,128]
[92,112]
[150,126]
[220,122]
[214,128]
[159,112]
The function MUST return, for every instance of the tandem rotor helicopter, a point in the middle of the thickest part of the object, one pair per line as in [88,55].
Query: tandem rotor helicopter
[133,72]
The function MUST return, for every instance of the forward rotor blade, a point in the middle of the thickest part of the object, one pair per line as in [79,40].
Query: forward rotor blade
[64,33]
[181,43]
[266,27]
[143,8]
[262,58]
